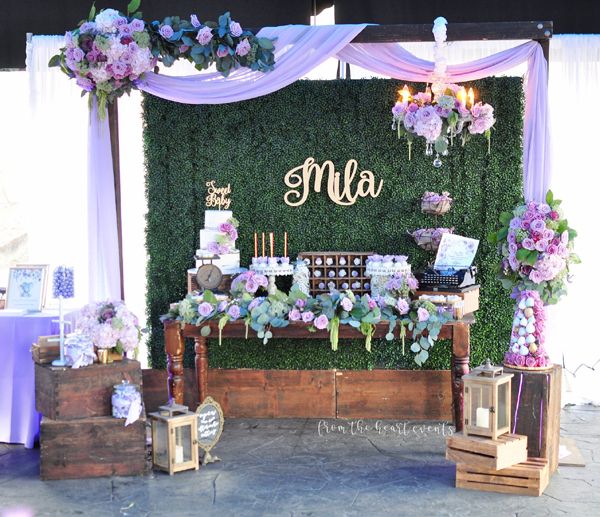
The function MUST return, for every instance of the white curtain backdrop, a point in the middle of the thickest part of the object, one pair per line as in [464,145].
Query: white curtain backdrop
[574,77]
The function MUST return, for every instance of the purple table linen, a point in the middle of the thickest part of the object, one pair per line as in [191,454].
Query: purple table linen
[19,421]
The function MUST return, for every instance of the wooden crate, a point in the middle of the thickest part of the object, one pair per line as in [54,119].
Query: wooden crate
[535,412]
[528,478]
[469,295]
[67,393]
[92,447]
[506,451]
[340,261]
[45,351]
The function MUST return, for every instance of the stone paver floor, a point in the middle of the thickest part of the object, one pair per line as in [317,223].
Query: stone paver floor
[309,467]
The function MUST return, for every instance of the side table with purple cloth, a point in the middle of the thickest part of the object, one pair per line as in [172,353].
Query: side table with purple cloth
[19,421]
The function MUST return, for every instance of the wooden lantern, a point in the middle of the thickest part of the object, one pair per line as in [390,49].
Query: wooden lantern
[487,401]
[174,439]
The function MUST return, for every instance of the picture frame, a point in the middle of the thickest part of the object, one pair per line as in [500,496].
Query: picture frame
[27,287]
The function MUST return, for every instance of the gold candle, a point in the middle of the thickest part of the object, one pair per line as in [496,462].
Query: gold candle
[263,245]
[255,245]
[272,244]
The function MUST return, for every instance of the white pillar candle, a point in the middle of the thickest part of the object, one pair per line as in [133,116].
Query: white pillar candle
[179,454]
[483,417]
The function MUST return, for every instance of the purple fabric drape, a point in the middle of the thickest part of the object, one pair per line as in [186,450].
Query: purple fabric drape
[394,61]
[103,243]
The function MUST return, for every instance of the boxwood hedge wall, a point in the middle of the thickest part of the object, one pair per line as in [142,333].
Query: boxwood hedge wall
[252,145]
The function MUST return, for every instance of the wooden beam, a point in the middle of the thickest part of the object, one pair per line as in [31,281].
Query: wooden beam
[113,123]
[537,30]
[534,30]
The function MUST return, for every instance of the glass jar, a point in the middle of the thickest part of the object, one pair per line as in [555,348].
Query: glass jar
[124,395]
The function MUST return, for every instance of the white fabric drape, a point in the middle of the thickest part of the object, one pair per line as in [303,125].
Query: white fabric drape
[53,165]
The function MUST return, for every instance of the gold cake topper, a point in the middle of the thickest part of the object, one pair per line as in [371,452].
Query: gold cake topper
[339,188]
[218,197]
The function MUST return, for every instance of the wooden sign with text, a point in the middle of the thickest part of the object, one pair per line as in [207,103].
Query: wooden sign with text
[218,197]
[339,188]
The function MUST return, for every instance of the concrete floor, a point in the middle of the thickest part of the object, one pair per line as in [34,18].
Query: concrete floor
[309,467]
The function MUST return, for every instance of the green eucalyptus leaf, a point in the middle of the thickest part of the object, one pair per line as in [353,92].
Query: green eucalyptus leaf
[133,6]
[205,331]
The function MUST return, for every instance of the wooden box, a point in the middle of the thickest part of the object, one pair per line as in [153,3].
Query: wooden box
[45,351]
[66,393]
[92,447]
[340,265]
[469,295]
[535,412]
[506,451]
[528,478]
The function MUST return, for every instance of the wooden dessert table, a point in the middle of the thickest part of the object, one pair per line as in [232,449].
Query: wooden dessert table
[456,331]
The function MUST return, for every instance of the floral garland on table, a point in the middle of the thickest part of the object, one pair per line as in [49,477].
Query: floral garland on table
[109,53]
[110,325]
[250,302]
[225,243]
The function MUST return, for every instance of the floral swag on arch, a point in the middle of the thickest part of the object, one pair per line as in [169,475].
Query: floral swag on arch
[109,52]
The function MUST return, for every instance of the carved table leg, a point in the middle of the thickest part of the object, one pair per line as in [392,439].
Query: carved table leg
[174,346]
[201,367]
[461,349]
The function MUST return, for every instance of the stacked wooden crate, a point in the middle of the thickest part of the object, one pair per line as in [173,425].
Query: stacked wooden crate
[79,438]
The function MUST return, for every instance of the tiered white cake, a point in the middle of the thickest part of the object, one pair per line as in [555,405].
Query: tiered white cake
[228,263]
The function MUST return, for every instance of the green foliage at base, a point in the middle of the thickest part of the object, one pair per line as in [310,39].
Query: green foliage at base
[252,144]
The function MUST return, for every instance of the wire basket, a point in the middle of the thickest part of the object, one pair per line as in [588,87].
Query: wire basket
[429,238]
[436,207]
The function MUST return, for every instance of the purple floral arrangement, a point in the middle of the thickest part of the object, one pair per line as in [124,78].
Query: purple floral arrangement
[436,204]
[441,117]
[527,338]
[109,52]
[536,245]
[402,284]
[110,325]
[248,282]
[225,243]
[62,283]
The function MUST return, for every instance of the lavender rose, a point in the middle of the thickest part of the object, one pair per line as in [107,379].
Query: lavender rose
[402,306]
[136,25]
[204,36]
[422,314]
[243,47]
[347,304]
[295,315]
[234,312]
[222,51]
[194,21]
[166,31]
[205,309]
[236,29]
[321,322]
[307,316]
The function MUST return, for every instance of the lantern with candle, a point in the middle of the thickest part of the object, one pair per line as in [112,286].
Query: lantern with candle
[487,401]
[174,438]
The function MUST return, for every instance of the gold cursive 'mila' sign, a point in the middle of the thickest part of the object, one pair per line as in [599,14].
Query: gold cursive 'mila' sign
[340,189]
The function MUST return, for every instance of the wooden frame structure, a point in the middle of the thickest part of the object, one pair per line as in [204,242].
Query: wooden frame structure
[540,31]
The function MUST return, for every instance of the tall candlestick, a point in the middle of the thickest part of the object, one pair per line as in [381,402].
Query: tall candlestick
[285,244]
[272,244]
[263,245]
[471,97]
[255,245]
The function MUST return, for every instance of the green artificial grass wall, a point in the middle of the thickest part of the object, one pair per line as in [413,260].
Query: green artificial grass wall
[252,144]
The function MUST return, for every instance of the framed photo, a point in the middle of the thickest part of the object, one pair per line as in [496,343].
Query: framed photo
[27,287]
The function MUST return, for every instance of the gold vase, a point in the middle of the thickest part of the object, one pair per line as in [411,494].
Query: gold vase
[104,356]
